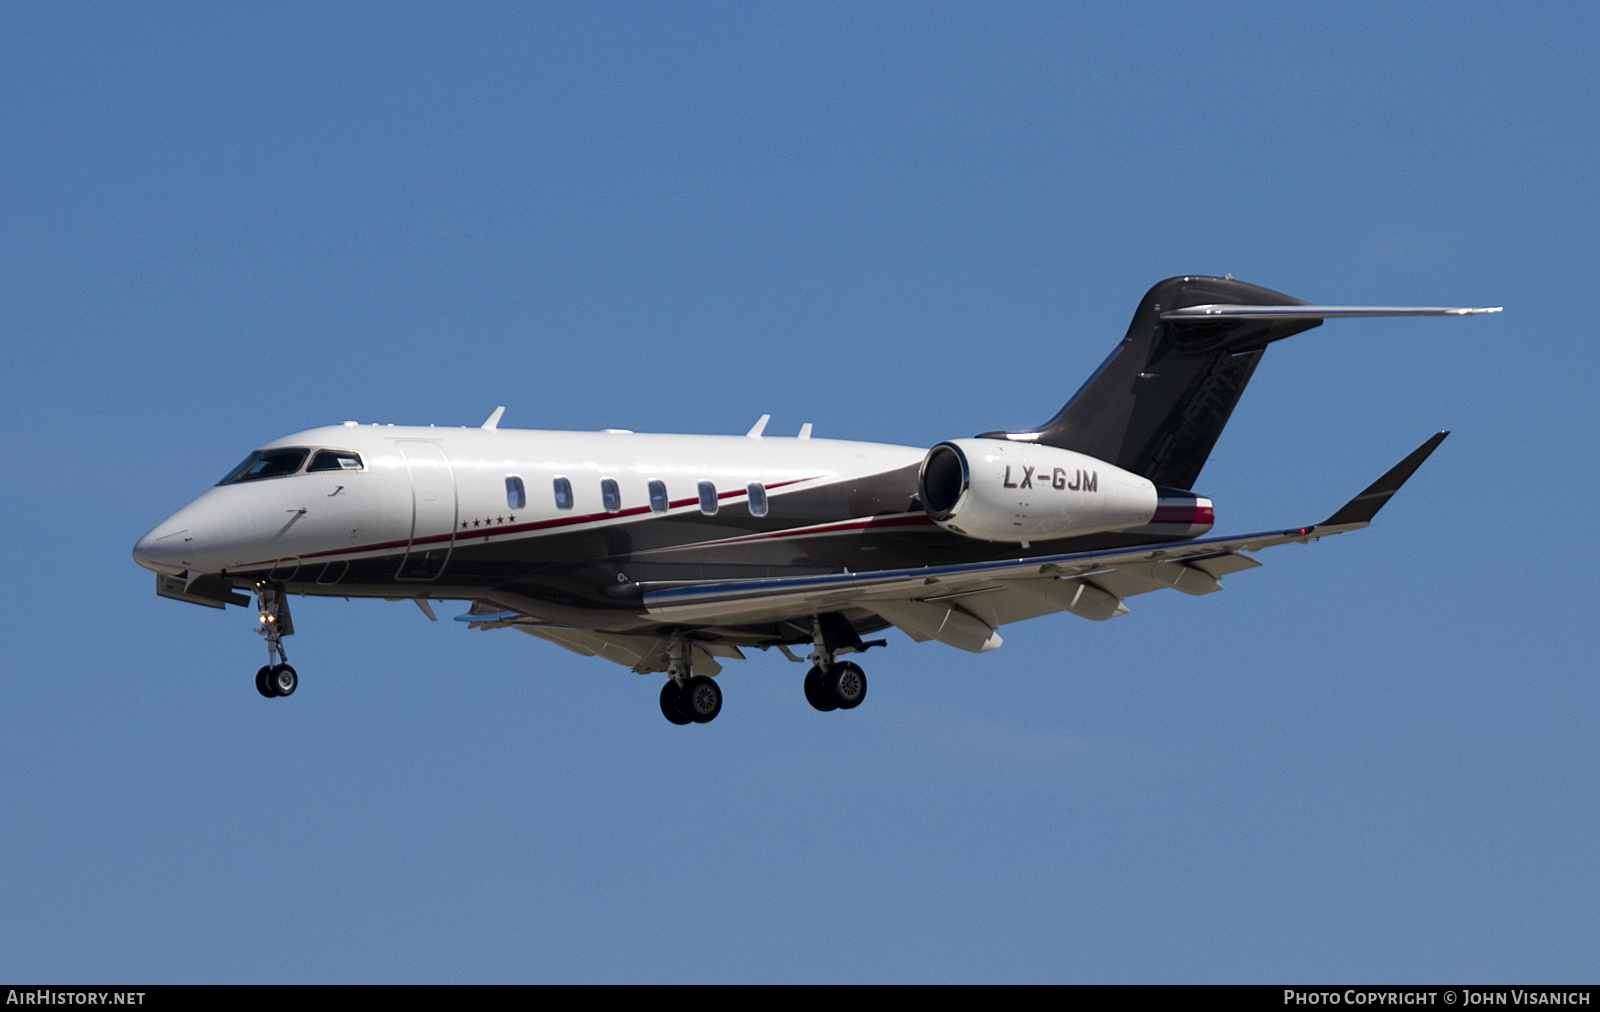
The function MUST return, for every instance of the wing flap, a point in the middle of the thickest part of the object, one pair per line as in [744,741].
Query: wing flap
[1224,563]
[1080,597]
[945,624]
[619,648]
[1005,603]
[1180,576]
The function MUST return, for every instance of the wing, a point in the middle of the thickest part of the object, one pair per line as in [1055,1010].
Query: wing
[963,605]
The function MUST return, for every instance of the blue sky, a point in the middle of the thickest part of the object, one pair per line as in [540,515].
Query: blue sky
[1371,760]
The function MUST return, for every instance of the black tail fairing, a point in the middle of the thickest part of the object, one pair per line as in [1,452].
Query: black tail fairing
[1157,405]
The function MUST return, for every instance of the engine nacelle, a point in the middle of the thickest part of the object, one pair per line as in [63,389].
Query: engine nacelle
[1003,490]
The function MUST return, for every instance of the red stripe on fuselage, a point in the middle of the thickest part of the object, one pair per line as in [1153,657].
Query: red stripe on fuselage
[538,525]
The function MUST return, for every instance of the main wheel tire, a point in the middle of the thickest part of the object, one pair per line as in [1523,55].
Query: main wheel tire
[847,684]
[671,703]
[282,680]
[261,682]
[702,699]
[817,693]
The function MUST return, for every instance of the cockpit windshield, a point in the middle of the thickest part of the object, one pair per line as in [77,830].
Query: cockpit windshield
[335,460]
[267,464]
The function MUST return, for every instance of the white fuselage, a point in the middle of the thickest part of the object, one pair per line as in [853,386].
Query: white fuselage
[448,486]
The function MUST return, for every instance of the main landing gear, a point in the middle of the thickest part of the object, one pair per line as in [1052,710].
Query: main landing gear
[838,686]
[688,698]
[697,701]
[275,679]
[832,684]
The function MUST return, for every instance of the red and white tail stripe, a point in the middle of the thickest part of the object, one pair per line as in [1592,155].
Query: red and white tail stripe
[1180,517]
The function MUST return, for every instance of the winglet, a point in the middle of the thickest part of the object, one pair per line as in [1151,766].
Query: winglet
[759,427]
[1360,510]
[494,420]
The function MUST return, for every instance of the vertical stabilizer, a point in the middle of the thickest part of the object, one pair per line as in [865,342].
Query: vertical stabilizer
[1157,405]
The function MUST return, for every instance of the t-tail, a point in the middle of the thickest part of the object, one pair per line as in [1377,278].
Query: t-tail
[1158,403]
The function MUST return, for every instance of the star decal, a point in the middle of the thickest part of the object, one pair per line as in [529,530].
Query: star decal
[489,521]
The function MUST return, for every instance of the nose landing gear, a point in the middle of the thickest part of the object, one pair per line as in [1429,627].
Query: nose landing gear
[275,679]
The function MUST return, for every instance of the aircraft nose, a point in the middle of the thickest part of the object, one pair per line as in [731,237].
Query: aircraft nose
[166,548]
[195,537]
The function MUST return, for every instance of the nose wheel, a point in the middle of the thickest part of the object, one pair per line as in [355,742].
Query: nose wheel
[276,680]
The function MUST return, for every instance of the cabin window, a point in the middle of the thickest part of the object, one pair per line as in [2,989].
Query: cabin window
[516,492]
[758,498]
[335,460]
[563,493]
[610,495]
[708,498]
[659,503]
[267,464]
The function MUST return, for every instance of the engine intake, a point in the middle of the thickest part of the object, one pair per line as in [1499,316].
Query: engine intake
[1004,490]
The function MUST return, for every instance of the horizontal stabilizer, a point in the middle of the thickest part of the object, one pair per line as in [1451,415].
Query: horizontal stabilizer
[1313,312]
[1365,506]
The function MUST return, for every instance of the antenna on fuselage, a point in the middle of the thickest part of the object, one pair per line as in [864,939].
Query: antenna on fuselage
[759,427]
[494,420]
